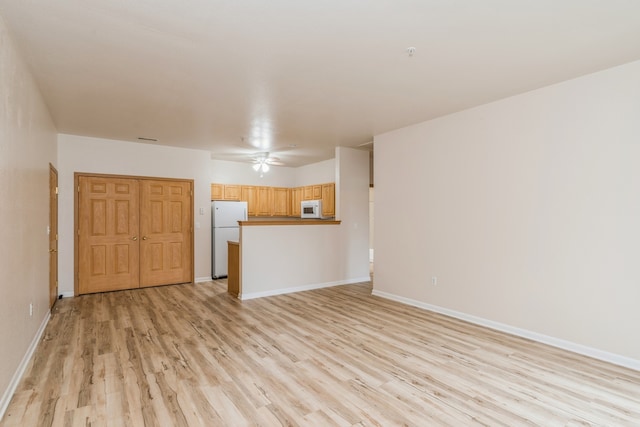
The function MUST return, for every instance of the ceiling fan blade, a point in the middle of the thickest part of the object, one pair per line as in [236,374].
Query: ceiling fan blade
[266,158]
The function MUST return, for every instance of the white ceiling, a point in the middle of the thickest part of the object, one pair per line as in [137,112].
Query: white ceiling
[236,77]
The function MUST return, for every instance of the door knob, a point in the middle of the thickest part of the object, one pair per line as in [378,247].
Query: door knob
[144,237]
[134,238]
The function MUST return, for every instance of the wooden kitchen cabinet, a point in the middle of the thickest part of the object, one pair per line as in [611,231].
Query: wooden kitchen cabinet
[317,192]
[225,192]
[217,191]
[280,201]
[329,199]
[232,192]
[312,192]
[296,198]
[233,268]
[249,194]
[265,201]
[307,192]
[276,201]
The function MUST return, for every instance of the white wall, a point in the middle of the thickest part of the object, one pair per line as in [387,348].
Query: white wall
[27,146]
[284,258]
[352,207]
[527,210]
[315,173]
[226,172]
[94,155]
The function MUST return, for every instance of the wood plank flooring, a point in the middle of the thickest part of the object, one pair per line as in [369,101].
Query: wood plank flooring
[191,355]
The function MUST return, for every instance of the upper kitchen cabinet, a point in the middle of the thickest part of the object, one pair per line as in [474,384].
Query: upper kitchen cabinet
[277,201]
[307,192]
[280,201]
[232,192]
[296,198]
[249,194]
[317,192]
[265,201]
[312,192]
[217,191]
[328,199]
[225,192]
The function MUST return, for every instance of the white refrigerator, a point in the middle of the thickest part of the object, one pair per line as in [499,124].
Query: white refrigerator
[224,225]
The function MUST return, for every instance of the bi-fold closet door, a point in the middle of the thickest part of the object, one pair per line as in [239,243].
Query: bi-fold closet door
[133,232]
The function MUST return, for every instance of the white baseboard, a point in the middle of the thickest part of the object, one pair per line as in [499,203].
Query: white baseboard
[17,376]
[202,279]
[301,288]
[595,353]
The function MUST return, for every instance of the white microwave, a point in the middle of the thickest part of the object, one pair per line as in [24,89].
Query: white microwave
[311,209]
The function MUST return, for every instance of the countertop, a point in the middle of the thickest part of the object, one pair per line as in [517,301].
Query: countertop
[271,220]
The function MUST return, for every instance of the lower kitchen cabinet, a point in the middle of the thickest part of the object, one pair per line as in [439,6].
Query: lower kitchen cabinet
[233,268]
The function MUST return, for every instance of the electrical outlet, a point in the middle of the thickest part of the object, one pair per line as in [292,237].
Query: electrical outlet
[31,309]
[434,280]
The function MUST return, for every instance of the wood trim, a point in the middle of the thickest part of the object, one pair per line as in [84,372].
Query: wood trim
[290,222]
[76,209]
[53,235]
[110,175]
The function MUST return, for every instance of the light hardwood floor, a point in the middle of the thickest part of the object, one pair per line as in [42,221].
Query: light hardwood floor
[193,355]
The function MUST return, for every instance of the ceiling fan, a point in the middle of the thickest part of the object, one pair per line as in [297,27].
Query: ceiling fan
[263,161]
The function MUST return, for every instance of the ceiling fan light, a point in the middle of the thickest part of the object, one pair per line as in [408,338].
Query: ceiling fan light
[256,167]
[265,167]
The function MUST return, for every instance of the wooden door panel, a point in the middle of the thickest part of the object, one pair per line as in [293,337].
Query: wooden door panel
[176,254]
[166,229]
[108,246]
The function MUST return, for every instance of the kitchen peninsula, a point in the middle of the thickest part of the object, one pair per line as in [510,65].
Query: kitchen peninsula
[279,252]
[278,256]
[287,221]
